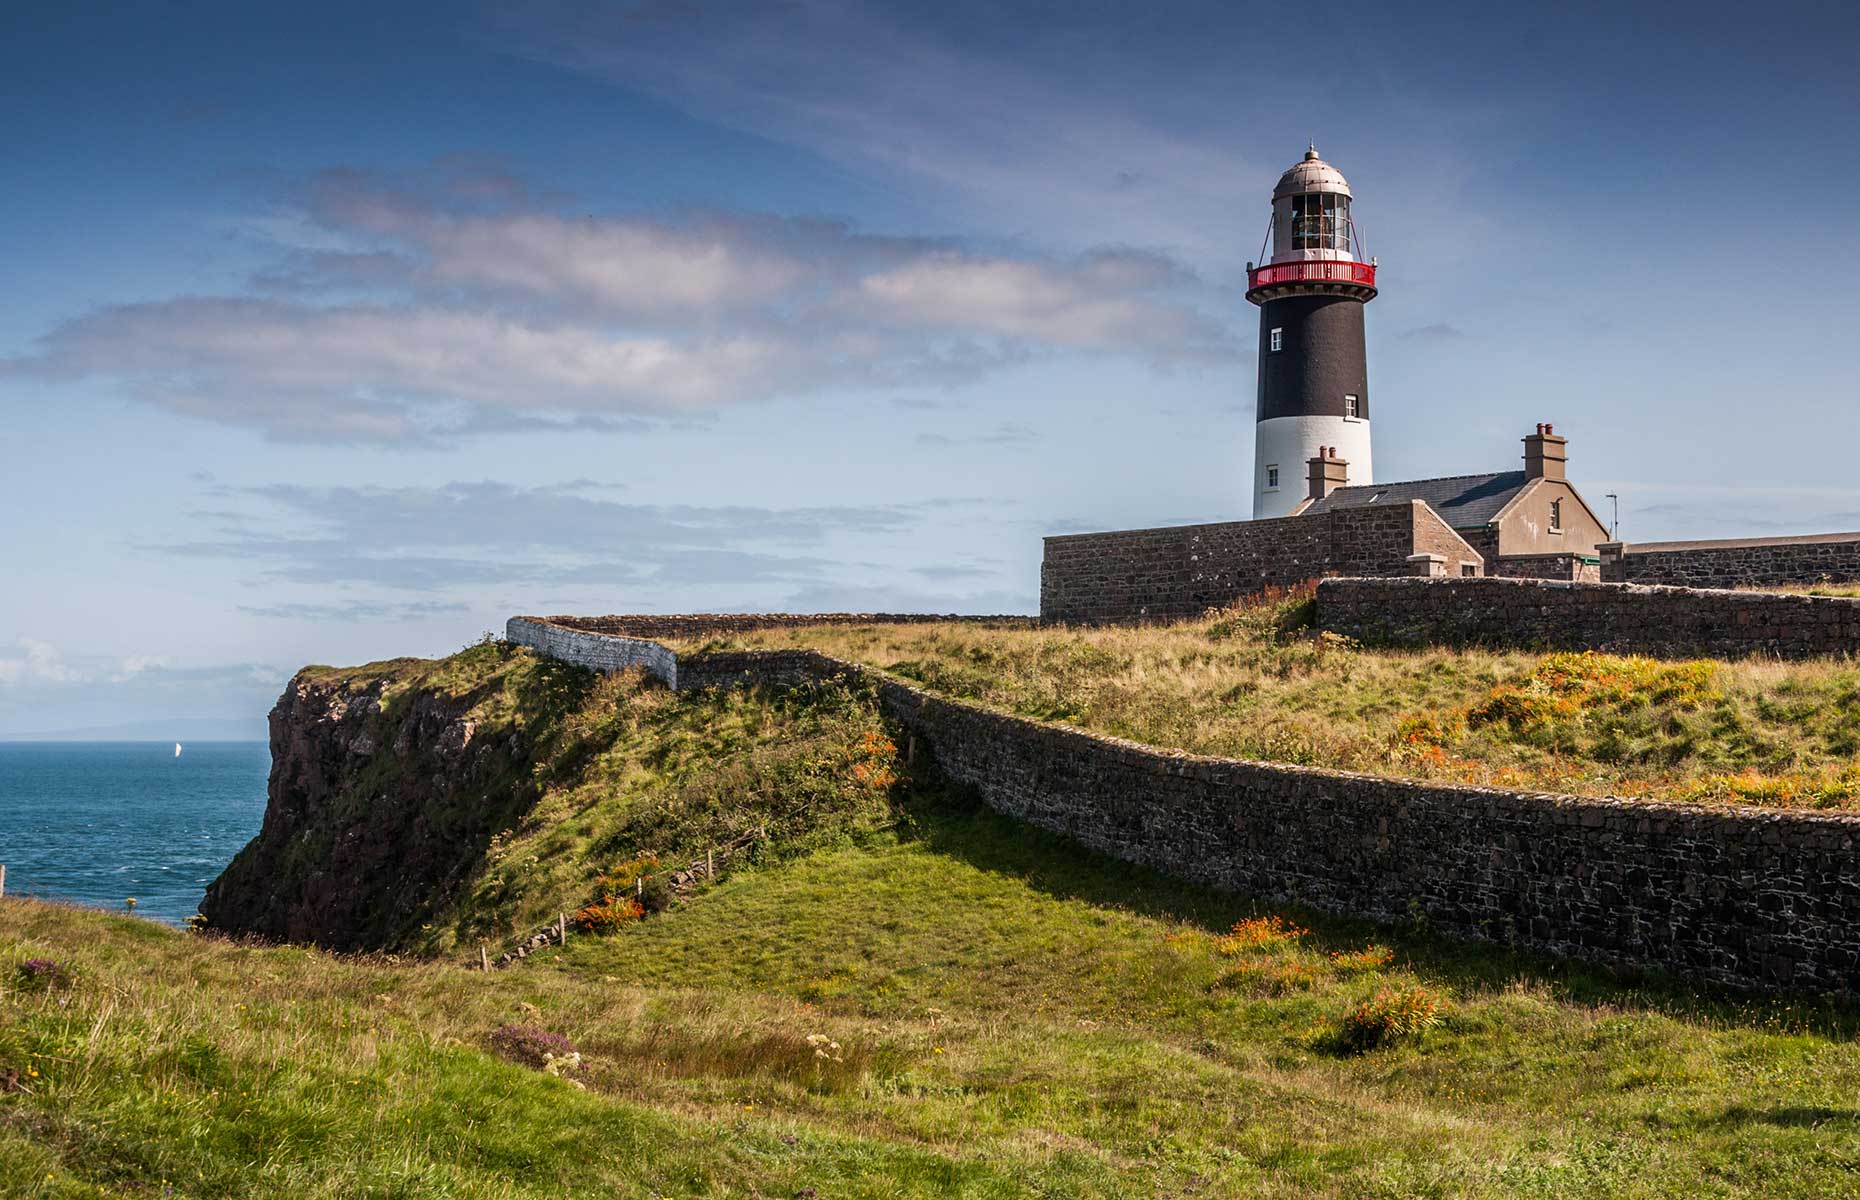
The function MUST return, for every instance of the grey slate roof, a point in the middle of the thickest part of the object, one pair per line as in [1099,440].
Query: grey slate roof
[1463,501]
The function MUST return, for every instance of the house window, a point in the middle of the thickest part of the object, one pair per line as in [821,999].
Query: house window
[1278,339]
[1272,478]
[1469,570]
[1352,407]
[1556,516]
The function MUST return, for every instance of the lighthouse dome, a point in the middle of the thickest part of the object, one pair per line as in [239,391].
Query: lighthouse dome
[1312,174]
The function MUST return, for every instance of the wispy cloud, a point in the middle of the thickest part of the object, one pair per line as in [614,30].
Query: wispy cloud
[424,539]
[442,318]
[984,129]
[36,662]
[356,611]
[1005,434]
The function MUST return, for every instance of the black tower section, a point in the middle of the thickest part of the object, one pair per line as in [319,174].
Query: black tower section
[1320,360]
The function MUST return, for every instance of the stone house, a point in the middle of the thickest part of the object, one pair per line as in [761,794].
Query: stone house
[1531,522]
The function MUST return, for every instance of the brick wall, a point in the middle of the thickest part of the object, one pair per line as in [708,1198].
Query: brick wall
[1749,562]
[1626,618]
[1184,570]
[1737,896]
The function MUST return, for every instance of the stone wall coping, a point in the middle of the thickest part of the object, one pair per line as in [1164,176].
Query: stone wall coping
[776,620]
[1649,589]
[1805,539]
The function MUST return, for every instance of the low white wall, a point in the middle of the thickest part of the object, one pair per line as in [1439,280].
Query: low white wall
[597,651]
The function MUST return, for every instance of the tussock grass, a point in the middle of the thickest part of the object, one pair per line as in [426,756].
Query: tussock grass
[1008,1016]
[1251,683]
[896,994]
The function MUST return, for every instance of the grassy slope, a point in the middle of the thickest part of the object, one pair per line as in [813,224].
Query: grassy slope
[1238,684]
[1015,1017]
[618,766]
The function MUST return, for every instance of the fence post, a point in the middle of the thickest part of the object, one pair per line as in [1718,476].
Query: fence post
[710,865]
[484,958]
[561,928]
[2,879]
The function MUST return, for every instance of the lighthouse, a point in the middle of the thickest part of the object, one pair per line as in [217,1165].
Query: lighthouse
[1313,370]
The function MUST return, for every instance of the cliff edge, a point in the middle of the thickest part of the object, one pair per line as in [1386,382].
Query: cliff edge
[387,785]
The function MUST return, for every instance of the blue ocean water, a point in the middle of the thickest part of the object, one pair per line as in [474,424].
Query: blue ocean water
[96,822]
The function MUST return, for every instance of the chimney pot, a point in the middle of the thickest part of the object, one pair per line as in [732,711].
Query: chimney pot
[1545,454]
[1326,472]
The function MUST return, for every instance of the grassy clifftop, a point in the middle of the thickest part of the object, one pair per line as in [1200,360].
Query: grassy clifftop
[1251,682]
[431,805]
[950,1006]
[893,993]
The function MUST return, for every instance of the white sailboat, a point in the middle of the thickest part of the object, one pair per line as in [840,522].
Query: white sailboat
[177,749]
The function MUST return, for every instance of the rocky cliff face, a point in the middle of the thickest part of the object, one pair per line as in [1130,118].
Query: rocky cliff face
[385,792]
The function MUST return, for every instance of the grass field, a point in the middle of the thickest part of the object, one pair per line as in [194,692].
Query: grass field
[1006,1017]
[1251,683]
[897,994]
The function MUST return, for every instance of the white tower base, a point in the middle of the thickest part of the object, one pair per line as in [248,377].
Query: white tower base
[1290,443]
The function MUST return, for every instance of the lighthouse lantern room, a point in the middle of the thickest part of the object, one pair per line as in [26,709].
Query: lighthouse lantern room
[1313,369]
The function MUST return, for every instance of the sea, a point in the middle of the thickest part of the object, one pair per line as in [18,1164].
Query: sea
[96,823]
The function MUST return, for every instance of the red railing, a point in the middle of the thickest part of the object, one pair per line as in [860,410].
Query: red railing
[1315,271]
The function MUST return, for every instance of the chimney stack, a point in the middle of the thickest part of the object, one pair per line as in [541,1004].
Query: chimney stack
[1545,454]
[1327,472]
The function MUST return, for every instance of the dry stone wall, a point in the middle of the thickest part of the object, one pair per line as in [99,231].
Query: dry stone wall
[1752,562]
[1184,570]
[1625,618]
[687,627]
[1577,567]
[1741,897]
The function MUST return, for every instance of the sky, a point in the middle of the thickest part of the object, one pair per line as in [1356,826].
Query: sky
[341,332]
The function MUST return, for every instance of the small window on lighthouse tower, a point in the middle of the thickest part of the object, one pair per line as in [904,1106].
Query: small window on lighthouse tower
[1272,478]
[1352,408]
[1278,339]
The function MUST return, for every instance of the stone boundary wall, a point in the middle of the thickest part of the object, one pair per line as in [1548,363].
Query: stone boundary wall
[692,626]
[1577,567]
[1668,622]
[597,652]
[1182,571]
[1736,896]
[1733,563]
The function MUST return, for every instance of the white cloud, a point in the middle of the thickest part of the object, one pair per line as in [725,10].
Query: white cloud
[454,320]
[135,664]
[40,662]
